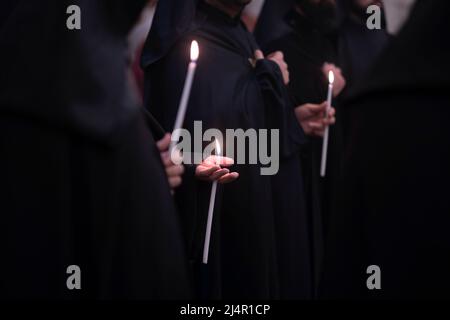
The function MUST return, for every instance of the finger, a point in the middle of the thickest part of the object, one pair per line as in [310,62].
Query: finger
[219,173]
[173,171]
[318,117]
[312,111]
[205,172]
[332,66]
[229,178]
[175,182]
[331,112]
[279,55]
[166,159]
[226,162]
[220,160]
[303,111]
[209,160]
[329,121]
[174,158]
[317,126]
[164,143]
[317,108]
[177,157]
[326,66]
[259,55]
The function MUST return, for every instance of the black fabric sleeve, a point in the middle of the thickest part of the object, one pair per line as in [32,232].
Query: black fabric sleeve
[280,111]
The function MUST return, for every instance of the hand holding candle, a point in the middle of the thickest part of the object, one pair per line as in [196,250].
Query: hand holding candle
[311,118]
[339,82]
[174,172]
[215,168]
[323,164]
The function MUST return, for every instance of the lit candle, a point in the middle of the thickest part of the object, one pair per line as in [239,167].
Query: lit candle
[185,96]
[212,201]
[323,166]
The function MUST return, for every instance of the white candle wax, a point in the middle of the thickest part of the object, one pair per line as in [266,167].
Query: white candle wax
[323,164]
[212,201]
[186,94]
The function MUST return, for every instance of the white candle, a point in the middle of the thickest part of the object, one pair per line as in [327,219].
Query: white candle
[185,96]
[212,201]
[323,165]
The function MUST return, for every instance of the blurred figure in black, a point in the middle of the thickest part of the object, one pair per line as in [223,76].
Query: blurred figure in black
[82,181]
[394,208]
[310,50]
[359,46]
[260,245]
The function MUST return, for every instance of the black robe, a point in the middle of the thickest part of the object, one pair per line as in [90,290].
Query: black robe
[259,244]
[82,180]
[306,49]
[358,46]
[394,210]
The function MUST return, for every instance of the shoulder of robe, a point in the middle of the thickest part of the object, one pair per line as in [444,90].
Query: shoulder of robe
[416,60]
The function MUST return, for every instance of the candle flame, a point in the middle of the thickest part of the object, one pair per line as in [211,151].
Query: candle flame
[331,77]
[195,52]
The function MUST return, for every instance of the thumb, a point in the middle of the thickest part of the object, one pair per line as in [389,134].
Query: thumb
[324,104]
[224,161]
[259,55]
[279,55]
[317,108]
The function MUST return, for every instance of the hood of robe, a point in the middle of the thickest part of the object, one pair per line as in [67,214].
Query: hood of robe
[172,20]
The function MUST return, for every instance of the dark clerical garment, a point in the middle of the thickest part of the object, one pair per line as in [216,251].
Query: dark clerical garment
[306,48]
[390,238]
[82,183]
[259,245]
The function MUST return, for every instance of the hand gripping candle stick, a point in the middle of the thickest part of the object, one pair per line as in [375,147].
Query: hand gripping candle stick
[185,96]
[212,201]
[323,165]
